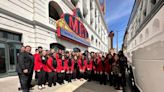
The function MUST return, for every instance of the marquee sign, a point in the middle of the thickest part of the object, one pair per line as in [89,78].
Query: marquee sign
[71,27]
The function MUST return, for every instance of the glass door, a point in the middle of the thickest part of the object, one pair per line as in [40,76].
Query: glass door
[2,58]
[13,55]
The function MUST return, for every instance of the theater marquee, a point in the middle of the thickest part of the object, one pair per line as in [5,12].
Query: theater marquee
[71,27]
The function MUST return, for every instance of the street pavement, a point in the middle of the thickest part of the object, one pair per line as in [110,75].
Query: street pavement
[11,84]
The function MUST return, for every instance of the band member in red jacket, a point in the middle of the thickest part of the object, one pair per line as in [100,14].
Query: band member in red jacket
[89,67]
[36,53]
[82,65]
[96,61]
[51,70]
[102,71]
[108,63]
[69,68]
[76,67]
[39,62]
[61,69]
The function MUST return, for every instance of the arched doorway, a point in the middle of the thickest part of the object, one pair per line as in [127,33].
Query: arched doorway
[55,10]
[57,46]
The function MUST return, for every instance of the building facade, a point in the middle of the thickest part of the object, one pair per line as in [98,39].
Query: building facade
[58,24]
[144,44]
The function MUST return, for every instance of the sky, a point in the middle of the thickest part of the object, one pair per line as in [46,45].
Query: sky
[117,17]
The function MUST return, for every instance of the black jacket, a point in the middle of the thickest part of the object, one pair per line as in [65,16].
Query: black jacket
[25,61]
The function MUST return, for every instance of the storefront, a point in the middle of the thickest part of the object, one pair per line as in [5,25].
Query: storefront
[10,44]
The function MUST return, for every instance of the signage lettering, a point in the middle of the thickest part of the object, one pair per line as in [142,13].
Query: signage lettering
[76,25]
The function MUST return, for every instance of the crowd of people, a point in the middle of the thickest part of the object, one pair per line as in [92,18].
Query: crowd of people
[53,67]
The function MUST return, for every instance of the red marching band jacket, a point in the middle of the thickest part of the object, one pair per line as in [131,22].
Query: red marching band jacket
[38,65]
[89,65]
[82,67]
[69,68]
[49,65]
[96,67]
[60,68]
[107,66]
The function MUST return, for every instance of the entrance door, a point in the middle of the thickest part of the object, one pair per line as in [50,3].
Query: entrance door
[2,58]
[13,55]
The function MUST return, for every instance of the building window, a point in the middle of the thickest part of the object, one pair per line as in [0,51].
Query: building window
[74,2]
[156,25]
[96,42]
[96,13]
[91,17]
[85,10]
[141,6]
[153,2]
[91,5]
[144,12]
[92,39]
[10,36]
[55,10]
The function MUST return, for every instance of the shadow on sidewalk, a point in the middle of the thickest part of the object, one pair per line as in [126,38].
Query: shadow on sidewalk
[94,86]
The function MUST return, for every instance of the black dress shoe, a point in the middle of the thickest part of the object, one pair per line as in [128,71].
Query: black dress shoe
[19,88]
[49,85]
[54,84]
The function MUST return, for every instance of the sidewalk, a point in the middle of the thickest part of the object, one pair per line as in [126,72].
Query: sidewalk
[10,84]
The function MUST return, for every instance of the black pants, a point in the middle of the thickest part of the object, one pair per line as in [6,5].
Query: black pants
[30,79]
[52,77]
[103,78]
[24,82]
[36,76]
[117,81]
[88,75]
[96,76]
[82,75]
[110,79]
[123,83]
[41,77]
[74,75]
[60,77]
[68,77]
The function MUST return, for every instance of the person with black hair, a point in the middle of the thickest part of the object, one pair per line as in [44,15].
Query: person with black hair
[95,67]
[82,66]
[40,49]
[51,70]
[89,67]
[39,63]
[116,73]
[25,68]
[69,68]
[102,71]
[123,65]
[108,63]
[60,68]
[76,68]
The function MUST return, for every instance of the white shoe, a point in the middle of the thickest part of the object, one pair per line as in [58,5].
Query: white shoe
[43,86]
[40,87]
